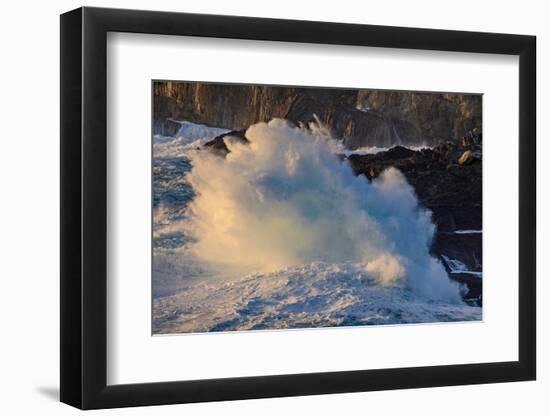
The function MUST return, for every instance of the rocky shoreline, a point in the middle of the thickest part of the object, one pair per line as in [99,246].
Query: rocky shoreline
[446,175]
[447,180]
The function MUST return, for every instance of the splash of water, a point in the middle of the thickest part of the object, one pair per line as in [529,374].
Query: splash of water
[285,200]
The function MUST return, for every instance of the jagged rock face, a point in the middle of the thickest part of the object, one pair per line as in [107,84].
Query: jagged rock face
[222,105]
[218,146]
[453,192]
[431,117]
[358,117]
[236,107]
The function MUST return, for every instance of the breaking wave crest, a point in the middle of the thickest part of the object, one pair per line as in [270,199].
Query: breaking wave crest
[286,200]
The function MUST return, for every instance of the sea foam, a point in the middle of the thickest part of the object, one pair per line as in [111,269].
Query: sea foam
[285,200]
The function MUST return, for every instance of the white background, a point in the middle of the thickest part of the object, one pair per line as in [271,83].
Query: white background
[30,206]
[134,356]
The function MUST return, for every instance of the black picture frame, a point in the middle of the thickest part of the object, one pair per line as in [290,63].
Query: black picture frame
[84,207]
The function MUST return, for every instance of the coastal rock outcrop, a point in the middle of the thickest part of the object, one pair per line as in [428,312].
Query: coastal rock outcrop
[218,146]
[358,117]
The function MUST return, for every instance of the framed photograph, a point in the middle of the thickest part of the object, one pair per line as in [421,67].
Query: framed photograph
[257,208]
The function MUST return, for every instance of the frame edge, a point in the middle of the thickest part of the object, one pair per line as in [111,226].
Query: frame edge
[70,221]
[528,207]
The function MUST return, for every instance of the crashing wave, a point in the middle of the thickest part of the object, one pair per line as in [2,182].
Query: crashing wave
[280,234]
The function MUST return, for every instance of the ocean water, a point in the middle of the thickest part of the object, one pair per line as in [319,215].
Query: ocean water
[281,234]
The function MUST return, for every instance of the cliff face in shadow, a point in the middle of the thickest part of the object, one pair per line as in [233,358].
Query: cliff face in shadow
[358,117]
[437,117]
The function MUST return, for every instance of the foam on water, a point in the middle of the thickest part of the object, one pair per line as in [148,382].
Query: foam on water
[458,267]
[189,137]
[314,295]
[282,234]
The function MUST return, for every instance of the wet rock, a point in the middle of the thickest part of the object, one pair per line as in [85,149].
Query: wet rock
[465,158]
[398,152]
[464,247]
[468,157]
[473,288]
[218,144]
[471,138]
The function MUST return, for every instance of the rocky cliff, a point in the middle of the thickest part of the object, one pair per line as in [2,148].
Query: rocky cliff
[425,116]
[358,117]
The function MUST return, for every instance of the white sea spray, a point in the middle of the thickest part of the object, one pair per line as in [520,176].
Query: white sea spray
[285,200]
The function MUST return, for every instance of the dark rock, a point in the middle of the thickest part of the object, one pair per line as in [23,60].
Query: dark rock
[468,157]
[398,152]
[218,146]
[472,138]
[467,248]
[465,158]
[473,284]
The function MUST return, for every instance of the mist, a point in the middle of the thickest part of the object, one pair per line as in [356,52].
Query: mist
[286,199]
